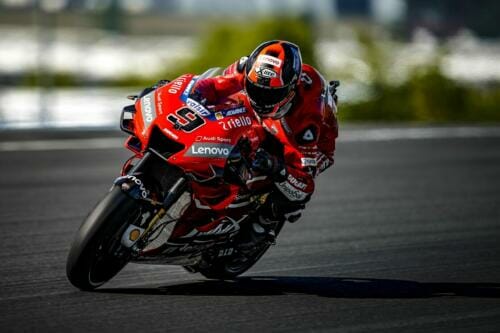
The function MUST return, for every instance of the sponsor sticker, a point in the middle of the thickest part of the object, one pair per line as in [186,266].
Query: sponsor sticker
[308,162]
[159,103]
[131,235]
[187,91]
[296,183]
[133,180]
[227,226]
[307,136]
[270,60]
[148,108]
[209,149]
[291,192]
[234,112]
[176,85]
[219,115]
[323,162]
[206,138]
[266,73]
[232,123]
[197,107]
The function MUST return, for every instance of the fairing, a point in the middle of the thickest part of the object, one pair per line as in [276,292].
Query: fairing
[208,135]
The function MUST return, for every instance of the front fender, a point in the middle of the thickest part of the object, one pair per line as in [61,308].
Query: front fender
[133,186]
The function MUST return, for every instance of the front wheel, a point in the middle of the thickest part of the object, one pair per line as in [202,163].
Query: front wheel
[96,254]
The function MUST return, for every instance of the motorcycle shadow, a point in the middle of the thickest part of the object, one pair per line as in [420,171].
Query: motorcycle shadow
[335,287]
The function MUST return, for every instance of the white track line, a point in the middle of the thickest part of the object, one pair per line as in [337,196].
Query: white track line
[412,133]
[350,135]
[69,144]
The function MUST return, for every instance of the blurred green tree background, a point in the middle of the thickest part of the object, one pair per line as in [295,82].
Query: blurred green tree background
[426,95]
[227,43]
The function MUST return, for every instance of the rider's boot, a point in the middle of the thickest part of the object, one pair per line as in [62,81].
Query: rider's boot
[267,227]
[258,232]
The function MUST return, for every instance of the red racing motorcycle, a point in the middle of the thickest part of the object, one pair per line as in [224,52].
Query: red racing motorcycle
[182,198]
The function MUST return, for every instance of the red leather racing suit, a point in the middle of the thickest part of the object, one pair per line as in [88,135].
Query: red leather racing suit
[307,131]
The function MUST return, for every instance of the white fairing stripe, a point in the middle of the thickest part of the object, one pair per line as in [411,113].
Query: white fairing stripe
[199,205]
[239,204]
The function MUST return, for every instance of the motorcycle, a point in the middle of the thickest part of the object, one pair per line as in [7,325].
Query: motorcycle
[187,158]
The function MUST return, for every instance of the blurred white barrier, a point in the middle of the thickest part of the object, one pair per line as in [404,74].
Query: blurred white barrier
[25,108]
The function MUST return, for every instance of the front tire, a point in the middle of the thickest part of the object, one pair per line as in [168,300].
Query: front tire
[96,254]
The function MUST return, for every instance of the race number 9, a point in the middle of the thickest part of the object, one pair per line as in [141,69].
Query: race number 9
[186,120]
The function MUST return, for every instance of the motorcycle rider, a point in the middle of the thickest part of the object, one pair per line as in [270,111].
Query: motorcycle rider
[297,110]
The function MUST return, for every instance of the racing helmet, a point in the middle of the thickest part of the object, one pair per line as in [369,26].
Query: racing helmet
[272,72]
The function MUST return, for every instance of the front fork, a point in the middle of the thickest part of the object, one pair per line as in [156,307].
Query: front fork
[137,233]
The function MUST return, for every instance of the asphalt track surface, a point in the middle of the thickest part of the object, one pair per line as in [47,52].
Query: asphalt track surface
[401,235]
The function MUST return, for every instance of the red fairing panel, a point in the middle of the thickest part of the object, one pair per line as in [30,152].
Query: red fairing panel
[208,136]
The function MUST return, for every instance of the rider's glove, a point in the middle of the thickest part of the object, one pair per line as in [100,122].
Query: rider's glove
[266,164]
[279,208]
[333,89]
[197,96]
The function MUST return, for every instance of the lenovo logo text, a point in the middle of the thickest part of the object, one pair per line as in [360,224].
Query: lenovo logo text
[212,150]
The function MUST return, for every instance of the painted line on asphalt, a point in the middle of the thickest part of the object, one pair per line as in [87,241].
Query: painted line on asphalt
[69,144]
[351,135]
[389,134]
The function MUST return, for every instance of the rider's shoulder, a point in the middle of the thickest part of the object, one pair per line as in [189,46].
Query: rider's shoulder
[237,67]
[309,69]
[311,83]
[312,73]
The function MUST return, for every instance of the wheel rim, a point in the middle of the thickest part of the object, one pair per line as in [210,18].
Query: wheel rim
[105,264]
[242,263]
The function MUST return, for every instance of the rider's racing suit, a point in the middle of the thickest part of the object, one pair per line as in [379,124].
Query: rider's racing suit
[307,133]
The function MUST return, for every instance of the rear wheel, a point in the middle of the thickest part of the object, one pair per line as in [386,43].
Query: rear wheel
[227,268]
[96,254]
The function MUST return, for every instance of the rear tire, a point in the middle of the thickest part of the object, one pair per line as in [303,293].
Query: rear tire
[93,259]
[228,268]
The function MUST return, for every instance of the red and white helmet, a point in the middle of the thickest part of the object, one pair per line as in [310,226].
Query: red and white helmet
[272,72]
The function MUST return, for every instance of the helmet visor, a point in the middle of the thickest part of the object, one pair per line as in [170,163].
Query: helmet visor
[265,98]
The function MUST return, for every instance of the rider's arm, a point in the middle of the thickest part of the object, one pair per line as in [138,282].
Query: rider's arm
[293,185]
[298,183]
[217,88]
[278,164]
[236,67]
[313,154]
[326,143]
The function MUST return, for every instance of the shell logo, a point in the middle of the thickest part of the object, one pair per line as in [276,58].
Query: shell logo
[134,234]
